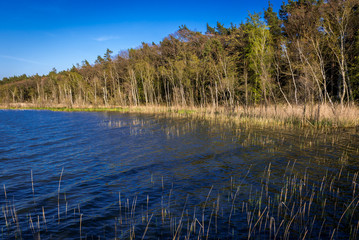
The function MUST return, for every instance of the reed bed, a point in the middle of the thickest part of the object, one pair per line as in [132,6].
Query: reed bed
[288,205]
[307,115]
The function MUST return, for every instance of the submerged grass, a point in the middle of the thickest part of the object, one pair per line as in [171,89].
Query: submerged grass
[287,206]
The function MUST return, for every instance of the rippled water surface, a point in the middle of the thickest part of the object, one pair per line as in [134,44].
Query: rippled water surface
[120,175]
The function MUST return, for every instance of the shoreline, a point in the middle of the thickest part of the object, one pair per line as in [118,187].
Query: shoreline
[318,116]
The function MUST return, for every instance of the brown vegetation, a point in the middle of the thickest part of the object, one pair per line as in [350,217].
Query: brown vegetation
[317,116]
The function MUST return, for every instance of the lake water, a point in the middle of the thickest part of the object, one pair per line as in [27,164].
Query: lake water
[121,175]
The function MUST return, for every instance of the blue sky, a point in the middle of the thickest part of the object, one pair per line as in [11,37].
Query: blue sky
[36,36]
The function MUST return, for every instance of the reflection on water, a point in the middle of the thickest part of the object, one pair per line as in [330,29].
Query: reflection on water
[135,175]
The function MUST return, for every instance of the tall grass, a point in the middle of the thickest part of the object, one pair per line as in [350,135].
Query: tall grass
[315,115]
[281,206]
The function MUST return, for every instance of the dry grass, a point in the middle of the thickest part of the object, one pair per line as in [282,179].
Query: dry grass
[318,116]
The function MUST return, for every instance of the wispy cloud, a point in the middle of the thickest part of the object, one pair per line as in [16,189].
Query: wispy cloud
[106,38]
[49,34]
[21,59]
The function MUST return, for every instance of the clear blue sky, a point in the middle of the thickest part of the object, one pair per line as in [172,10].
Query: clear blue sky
[36,36]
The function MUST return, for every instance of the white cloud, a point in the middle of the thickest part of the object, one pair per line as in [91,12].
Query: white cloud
[21,59]
[106,38]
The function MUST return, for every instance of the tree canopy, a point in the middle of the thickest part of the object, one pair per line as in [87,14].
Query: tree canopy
[308,52]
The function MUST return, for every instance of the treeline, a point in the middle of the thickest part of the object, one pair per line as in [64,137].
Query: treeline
[307,53]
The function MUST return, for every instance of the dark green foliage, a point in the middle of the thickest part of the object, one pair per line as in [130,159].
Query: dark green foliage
[210,30]
[13,79]
[221,30]
[273,22]
[354,68]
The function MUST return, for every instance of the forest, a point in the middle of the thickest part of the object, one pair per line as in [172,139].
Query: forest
[307,53]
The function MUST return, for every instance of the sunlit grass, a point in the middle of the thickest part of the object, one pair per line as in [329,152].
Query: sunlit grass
[312,116]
